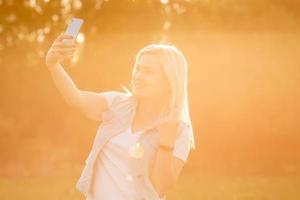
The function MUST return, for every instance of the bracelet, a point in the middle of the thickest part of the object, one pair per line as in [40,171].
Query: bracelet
[166,148]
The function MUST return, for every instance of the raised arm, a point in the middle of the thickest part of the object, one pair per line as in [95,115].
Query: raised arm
[90,103]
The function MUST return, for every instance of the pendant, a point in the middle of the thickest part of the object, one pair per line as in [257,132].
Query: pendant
[136,151]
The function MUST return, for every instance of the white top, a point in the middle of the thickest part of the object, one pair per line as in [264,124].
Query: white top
[113,180]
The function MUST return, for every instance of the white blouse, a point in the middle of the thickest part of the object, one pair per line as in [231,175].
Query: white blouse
[112,173]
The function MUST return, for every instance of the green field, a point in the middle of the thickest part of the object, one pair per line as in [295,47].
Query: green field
[189,187]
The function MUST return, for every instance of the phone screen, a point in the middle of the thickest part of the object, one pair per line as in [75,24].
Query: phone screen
[74,27]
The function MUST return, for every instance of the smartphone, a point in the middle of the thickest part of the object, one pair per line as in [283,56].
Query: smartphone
[73,29]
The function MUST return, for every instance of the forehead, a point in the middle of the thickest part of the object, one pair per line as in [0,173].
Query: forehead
[150,61]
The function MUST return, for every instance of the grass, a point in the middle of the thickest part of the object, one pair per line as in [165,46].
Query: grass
[189,187]
[236,188]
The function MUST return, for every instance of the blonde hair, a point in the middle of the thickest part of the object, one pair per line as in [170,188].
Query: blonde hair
[175,67]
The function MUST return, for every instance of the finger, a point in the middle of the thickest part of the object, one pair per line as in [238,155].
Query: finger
[61,44]
[64,51]
[67,57]
[57,54]
[65,43]
[60,56]
[58,48]
[68,41]
[63,36]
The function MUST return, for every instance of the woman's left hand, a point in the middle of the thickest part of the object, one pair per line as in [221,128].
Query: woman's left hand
[168,132]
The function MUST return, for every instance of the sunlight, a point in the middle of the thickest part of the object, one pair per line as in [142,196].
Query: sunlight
[46,29]
[77,4]
[55,18]
[32,3]
[80,38]
[164,1]
[31,37]
[40,38]
[136,151]
[167,25]
[241,76]
[129,177]
[21,36]
[178,8]
[11,18]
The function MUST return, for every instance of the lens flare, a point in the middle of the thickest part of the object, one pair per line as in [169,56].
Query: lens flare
[80,38]
[164,2]
[136,151]
[129,177]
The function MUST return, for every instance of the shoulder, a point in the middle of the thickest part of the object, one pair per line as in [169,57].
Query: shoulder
[114,96]
[184,130]
[182,144]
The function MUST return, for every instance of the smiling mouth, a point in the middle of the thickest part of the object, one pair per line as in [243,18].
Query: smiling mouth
[138,85]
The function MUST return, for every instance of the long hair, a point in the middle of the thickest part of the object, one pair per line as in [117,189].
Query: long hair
[175,67]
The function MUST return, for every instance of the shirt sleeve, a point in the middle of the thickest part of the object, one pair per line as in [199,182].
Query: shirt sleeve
[109,96]
[182,144]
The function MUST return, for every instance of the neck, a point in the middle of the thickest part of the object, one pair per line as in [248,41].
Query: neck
[149,106]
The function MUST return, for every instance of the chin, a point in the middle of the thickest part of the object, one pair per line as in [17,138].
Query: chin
[139,94]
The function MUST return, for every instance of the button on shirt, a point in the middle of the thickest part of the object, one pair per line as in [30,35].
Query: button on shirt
[113,176]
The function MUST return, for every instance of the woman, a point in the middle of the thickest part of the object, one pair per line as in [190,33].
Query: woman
[145,134]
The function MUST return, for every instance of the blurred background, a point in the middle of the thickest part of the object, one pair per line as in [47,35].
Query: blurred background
[244,92]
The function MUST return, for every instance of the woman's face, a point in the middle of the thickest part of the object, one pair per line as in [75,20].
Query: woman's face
[148,78]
